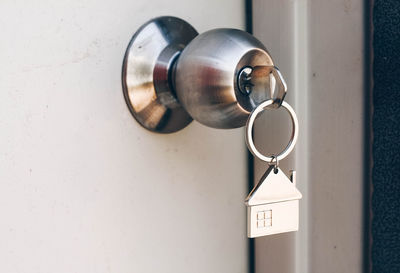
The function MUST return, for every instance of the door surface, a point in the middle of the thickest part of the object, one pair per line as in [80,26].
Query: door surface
[83,188]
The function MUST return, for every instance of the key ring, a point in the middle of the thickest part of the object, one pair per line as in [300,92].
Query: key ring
[276,164]
[249,131]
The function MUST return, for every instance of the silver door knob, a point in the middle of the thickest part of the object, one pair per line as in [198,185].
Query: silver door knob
[172,75]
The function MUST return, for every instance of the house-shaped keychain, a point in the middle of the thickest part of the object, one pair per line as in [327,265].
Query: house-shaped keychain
[273,204]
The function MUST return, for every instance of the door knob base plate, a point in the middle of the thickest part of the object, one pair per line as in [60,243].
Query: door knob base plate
[147,74]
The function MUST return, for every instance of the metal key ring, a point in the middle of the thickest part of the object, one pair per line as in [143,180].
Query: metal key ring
[249,131]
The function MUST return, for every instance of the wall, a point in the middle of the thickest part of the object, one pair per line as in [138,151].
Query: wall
[386,116]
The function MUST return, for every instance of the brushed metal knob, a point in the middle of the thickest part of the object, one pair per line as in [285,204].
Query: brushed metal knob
[206,77]
[171,75]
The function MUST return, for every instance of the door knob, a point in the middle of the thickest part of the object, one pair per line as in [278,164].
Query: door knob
[172,75]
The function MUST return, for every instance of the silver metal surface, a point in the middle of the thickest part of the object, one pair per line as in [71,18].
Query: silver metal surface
[171,76]
[273,205]
[263,79]
[244,80]
[206,77]
[249,132]
[146,74]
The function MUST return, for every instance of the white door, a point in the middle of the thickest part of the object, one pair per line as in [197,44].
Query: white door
[83,187]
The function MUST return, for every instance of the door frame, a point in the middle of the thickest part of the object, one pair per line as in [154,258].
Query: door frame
[296,34]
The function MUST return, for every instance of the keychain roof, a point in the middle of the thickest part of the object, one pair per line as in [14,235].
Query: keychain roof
[274,187]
